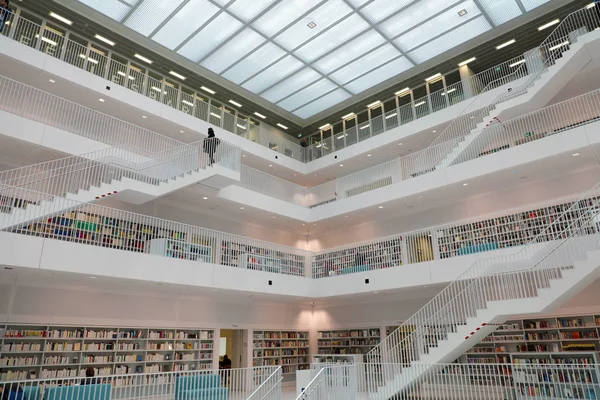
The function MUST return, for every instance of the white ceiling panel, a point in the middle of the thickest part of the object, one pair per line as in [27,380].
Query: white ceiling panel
[291,84]
[150,14]
[331,99]
[501,11]
[249,9]
[349,52]
[254,63]
[273,74]
[452,39]
[112,9]
[332,38]
[437,26]
[239,46]
[380,9]
[365,64]
[183,24]
[379,75]
[307,94]
[283,14]
[531,4]
[412,16]
[210,37]
[324,16]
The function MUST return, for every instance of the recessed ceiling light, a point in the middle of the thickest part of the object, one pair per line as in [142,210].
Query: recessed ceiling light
[350,115]
[176,75]
[462,12]
[51,81]
[243,155]
[180,131]
[549,24]
[368,155]
[207,90]
[403,91]
[346,216]
[273,217]
[517,63]
[282,126]
[92,277]
[270,165]
[143,116]
[205,198]
[433,77]
[101,100]
[314,224]
[259,115]
[61,18]
[311,25]
[470,60]
[144,59]
[503,45]
[465,184]
[380,207]
[399,144]
[374,104]
[575,154]
[341,165]
[235,103]
[303,224]
[105,40]
[326,126]
[241,208]
[433,131]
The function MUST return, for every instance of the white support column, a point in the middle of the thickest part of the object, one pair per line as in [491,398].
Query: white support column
[445,91]
[216,348]
[38,43]
[468,81]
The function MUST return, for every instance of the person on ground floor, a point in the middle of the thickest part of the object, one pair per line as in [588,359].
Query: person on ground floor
[90,379]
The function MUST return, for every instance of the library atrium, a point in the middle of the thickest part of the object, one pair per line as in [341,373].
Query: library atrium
[299,199]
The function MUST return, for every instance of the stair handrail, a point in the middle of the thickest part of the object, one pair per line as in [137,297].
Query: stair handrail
[518,73]
[258,393]
[455,288]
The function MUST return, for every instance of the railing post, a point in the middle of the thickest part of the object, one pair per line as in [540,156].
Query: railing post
[107,66]
[412,103]
[445,91]
[63,50]
[14,23]
[40,35]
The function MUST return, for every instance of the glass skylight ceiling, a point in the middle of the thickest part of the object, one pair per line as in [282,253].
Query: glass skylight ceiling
[308,55]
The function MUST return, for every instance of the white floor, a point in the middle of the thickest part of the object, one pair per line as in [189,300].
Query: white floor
[288,393]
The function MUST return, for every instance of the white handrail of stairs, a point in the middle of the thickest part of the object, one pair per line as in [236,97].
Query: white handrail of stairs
[513,276]
[270,388]
[332,382]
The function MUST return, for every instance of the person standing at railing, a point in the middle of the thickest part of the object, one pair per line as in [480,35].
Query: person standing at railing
[210,145]
[4,13]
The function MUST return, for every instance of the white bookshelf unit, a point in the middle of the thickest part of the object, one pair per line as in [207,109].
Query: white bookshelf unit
[348,341]
[260,263]
[290,349]
[181,250]
[35,351]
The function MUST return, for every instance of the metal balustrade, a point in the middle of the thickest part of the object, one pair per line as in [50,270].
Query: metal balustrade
[231,384]
[512,276]
[28,212]
[175,95]
[332,382]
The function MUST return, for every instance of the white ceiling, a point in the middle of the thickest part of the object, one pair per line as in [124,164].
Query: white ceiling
[308,55]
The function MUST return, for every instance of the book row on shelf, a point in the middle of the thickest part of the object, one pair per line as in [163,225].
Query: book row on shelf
[348,341]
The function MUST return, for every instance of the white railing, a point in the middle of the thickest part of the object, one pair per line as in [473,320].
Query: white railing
[44,215]
[177,96]
[71,383]
[512,276]
[270,388]
[332,382]
[487,381]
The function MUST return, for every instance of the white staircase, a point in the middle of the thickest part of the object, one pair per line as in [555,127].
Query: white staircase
[532,86]
[535,279]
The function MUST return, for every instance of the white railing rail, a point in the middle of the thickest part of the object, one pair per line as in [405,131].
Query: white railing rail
[331,382]
[45,215]
[71,383]
[511,276]
[270,388]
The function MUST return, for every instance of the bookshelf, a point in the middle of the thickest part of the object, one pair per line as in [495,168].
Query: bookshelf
[235,254]
[290,349]
[181,250]
[260,263]
[348,341]
[36,351]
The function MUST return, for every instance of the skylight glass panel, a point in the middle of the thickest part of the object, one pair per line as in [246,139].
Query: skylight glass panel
[150,14]
[501,11]
[531,4]
[273,74]
[112,9]
[379,75]
[331,99]
[324,16]
[349,51]
[451,39]
[236,48]
[412,16]
[249,9]
[332,38]
[282,15]
[380,9]
[183,24]
[291,84]
[365,64]
[254,63]
[436,26]
[307,94]
[210,37]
